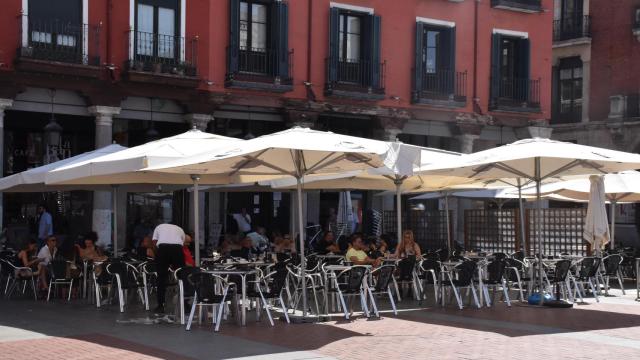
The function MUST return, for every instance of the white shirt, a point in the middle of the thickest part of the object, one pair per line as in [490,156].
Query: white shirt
[258,241]
[168,234]
[46,255]
[244,222]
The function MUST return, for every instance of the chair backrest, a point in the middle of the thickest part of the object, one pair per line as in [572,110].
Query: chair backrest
[518,255]
[430,264]
[611,264]
[150,267]
[589,267]
[495,270]
[499,256]
[466,271]
[385,275]
[354,278]
[278,280]
[58,269]
[561,270]
[205,285]
[127,273]
[406,267]
[182,275]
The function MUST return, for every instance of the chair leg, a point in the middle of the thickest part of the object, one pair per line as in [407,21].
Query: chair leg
[595,294]
[475,297]
[485,289]
[284,309]
[363,301]
[70,290]
[193,311]
[373,303]
[506,292]
[181,302]
[619,276]
[266,308]
[33,288]
[395,284]
[146,292]
[393,304]
[219,320]
[344,305]
[458,299]
[49,290]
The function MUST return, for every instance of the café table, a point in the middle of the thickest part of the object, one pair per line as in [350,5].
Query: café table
[243,273]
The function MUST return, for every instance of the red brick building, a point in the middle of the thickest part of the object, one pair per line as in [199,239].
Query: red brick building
[460,75]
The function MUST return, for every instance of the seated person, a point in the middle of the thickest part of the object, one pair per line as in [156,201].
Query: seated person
[356,253]
[284,244]
[90,251]
[186,251]
[377,249]
[147,250]
[327,244]
[259,240]
[408,246]
[46,254]
[245,250]
[27,259]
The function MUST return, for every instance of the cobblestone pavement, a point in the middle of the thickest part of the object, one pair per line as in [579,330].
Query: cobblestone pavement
[59,330]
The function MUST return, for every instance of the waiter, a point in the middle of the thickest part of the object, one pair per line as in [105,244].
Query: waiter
[168,239]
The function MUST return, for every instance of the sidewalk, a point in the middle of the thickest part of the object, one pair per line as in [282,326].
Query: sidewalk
[60,330]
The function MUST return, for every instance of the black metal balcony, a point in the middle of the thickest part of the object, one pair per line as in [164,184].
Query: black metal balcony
[572,28]
[443,87]
[518,5]
[58,41]
[516,94]
[355,78]
[568,112]
[261,69]
[162,54]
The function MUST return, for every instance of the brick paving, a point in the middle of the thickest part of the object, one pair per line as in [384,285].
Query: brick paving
[610,329]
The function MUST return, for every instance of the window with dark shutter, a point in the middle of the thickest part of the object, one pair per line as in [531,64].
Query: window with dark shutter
[570,89]
[510,73]
[258,41]
[354,51]
[156,31]
[56,32]
[435,58]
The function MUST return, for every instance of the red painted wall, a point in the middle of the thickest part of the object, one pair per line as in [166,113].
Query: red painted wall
[615,55]
[208,20]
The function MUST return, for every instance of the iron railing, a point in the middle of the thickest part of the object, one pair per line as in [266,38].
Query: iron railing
[356,75]
[572,27]
[517,92]
[61,41]
[445,85]
[159,53]
[260,65]
[568,112]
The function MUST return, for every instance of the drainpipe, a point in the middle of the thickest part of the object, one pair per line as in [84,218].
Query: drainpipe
[309,28]
[476,101]
[109,61]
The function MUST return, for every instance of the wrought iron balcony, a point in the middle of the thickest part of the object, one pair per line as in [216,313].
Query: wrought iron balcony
[515,94]
[572,28]
[58,41]
[353,77]
[568,112]
[260,68]
[162,54]
[443,87]
[518,5]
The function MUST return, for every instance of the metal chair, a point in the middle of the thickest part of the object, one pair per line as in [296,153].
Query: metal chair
[209,290]
[22,275]
[429,273]
[587,275]
[464,272]
[58,276]
[127,278]
[495,280]
[271,287]
[407,276]
[517,272]
[149,280]
[383,277]
[185,289]
[350,282]
[562,279]
[612,269]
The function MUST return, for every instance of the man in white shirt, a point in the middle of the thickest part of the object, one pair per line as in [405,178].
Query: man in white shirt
[168,238]
[243,220]
[48,252]
[259,240]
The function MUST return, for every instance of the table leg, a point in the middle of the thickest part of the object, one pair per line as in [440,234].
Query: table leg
[326,294]
[243,314]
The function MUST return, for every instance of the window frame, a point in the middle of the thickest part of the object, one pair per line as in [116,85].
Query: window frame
[572,64]
[156,4]
[343,20]
[249,46]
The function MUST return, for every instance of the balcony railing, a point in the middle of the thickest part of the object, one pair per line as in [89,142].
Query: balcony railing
[162,54]
[59,41]
[443,85]
[516,93]
[355,76]
[568,112]
[572,28]
[518,5]
[261,66]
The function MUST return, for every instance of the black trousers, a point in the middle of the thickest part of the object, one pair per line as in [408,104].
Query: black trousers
[168,255]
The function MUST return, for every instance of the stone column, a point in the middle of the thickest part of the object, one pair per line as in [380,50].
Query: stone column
[4,104]
[102,199]
[198,121]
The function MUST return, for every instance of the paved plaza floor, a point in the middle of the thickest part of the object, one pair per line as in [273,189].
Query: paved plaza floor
[77,330]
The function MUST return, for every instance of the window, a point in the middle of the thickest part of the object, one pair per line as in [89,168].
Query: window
[56,33]
[508,58]
[510,79]
[354,51]
[435,69]
[432,38]
[254,20]
[636,19]
[156,28]
[350,38]
[570,82]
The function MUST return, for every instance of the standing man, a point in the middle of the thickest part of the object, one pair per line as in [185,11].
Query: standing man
[45,226]
[243,220]
[169,239]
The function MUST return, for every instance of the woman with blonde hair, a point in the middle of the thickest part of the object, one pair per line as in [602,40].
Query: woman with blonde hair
[407,246]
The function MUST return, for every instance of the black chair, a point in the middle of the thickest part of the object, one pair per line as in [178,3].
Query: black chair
[350,283]
[517,272]
[383,277]
[464,272]
[561,278]
[149,280]
[126,278]
[209,290]
[587,275]
[612,269]
[185,289]
[58,276]
[429,273]
[273,285]
[101,280]
[495,279]
[19,275]
[407,276]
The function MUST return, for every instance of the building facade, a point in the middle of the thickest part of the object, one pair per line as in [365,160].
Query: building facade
[453,74]
[596,81]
